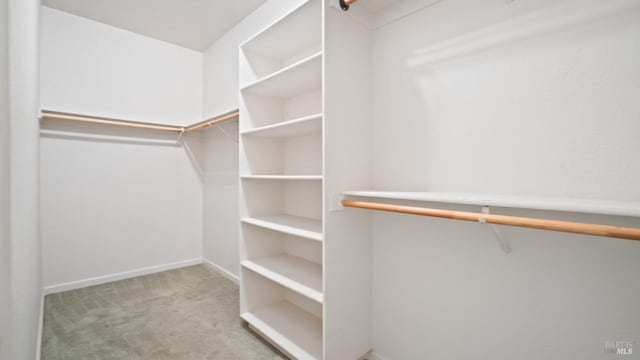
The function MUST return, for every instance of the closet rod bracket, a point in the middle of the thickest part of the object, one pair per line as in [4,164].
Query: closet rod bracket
[180,134]
[502,240]
[336,203]
[344,4]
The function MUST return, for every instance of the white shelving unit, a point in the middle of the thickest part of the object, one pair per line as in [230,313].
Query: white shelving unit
[281,167]
[305,283]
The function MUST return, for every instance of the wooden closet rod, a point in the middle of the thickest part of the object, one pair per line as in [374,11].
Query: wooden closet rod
[532,223]
[47,114]
[215,120]
[54,115]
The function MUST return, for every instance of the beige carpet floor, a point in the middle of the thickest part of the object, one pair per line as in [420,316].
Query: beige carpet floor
[189,313]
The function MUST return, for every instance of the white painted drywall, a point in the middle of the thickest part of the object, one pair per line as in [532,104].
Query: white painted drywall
[5,242]
[220,94]
[24,229]
[347,255]
[111,207]
[220,186]
[554,114]
[92,68]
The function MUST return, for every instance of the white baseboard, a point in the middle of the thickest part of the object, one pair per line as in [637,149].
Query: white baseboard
[224,272]
[40,328]
[52,289]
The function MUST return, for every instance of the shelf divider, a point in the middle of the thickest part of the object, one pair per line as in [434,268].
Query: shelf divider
[281,177]
[289,224]
[296,127]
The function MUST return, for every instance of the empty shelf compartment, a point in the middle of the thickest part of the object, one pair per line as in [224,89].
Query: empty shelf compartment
[296,331]
[299,275]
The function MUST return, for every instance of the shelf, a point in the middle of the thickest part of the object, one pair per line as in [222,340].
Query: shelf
[294,330]
[281,177]
[588,206]
[297,127]
[299,275]
[292,34]
[301,77]
[288,224]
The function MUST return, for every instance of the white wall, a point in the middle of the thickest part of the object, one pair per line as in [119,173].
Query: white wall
[92,68]
[5,242]
[220,94]
[116,206]
[554,114]
[220,184]
[347,255]
[24,232]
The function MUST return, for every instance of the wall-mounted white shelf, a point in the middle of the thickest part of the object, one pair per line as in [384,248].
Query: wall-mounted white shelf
[296,127]
[296,32]
[296,331]
[281,177]
[299,275]
[288,224]
[589,206]
[300,77]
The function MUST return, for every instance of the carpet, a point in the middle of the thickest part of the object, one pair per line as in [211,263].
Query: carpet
[189,313]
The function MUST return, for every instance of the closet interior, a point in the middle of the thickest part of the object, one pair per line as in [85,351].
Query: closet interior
[381,180]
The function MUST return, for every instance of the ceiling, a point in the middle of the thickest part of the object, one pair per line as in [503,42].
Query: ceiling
[193,24]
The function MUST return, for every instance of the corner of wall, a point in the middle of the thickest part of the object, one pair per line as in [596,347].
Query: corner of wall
[222,271]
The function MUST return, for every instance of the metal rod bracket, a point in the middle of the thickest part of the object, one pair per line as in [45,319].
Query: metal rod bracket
[502,240]
[180,134]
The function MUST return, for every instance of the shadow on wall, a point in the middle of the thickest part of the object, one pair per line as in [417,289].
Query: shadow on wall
[61,129]
[554,89]
[194,143]
[201,147]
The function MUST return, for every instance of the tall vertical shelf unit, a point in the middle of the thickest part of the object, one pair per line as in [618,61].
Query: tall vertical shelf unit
[284,198]
[281,176]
